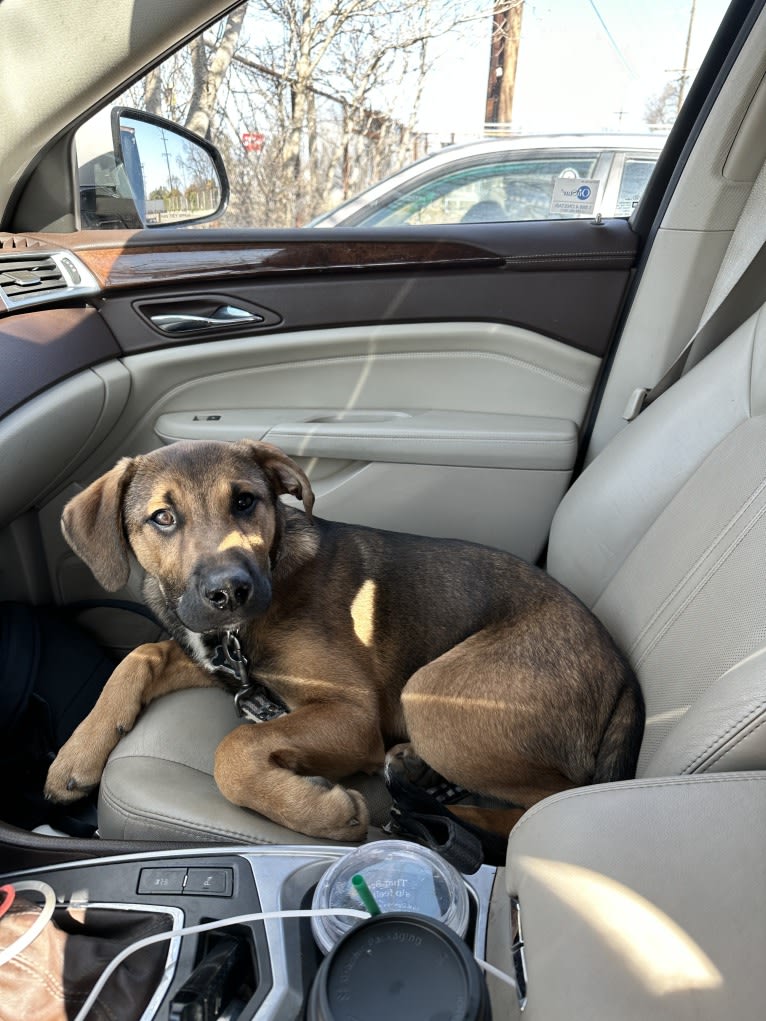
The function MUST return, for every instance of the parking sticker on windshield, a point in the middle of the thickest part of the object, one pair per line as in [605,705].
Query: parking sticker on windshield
[572,196]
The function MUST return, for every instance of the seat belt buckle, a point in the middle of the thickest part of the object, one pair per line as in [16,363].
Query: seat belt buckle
[636,403]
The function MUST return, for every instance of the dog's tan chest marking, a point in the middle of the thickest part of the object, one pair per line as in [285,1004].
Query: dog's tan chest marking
[200,652]
[363,612]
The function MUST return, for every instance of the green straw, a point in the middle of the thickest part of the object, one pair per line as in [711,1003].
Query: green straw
[364,894]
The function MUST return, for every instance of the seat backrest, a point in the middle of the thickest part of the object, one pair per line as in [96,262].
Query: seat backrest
[664,538]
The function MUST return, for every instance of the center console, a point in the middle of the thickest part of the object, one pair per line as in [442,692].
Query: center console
[260,970]
[628,900]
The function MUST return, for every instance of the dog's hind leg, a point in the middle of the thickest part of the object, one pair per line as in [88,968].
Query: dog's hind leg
[146,673]
[484,716]
[286,769]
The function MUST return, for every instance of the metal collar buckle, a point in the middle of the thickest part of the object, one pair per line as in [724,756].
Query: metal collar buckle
[255,704]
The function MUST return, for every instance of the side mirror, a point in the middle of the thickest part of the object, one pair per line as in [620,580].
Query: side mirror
[174,176]
[156,174]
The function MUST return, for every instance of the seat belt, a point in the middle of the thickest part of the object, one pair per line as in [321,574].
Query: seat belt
[738,291]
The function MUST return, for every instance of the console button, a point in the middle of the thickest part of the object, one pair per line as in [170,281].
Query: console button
[214,882]
[161,880]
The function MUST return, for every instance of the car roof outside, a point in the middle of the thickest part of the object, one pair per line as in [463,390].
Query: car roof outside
[651,143]
[609,140]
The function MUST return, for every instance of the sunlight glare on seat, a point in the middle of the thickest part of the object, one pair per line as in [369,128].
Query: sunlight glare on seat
[654,948]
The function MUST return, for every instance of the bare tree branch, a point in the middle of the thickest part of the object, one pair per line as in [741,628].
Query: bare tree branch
[209,73]
[331,87]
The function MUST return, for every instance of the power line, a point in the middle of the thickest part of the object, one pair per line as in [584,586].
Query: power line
[613,41]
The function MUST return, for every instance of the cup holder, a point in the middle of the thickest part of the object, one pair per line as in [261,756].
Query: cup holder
[399,965]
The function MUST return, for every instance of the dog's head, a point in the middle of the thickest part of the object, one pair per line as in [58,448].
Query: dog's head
[202,519]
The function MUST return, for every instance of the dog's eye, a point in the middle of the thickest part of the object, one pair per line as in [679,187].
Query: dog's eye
[164,518]
[243,501]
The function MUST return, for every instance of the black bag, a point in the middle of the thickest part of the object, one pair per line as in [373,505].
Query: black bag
[51,674]
[423,815]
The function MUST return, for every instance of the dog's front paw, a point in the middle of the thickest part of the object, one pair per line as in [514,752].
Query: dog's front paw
[77,769]
[67,781]
[344,814]
[331,811]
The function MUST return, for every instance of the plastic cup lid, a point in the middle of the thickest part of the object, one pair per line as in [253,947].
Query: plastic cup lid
[401,877]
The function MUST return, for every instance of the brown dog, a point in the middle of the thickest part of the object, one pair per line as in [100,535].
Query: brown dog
[501,679]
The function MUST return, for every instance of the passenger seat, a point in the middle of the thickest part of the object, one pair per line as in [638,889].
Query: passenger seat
[663,536]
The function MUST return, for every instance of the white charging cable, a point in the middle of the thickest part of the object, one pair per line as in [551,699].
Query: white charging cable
[492,970]
[39,923]
[190,930]
[261,916]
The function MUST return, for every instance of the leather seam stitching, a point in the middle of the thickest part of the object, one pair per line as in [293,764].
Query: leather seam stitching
[759,707]
[749,730]
[35,971]
[706,552]
[712,570]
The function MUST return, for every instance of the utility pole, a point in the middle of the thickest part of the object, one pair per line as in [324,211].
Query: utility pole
[504,57]
[684,79]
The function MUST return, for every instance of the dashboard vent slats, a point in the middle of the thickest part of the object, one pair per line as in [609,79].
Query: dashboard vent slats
[29,279]
[30,276]
[8,242]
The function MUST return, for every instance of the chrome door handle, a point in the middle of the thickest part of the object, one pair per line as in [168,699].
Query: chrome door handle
[187,322]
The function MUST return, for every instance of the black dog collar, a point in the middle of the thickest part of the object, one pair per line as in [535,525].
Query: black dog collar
[253,700]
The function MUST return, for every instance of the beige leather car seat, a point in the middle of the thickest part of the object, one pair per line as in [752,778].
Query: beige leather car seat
[663,537]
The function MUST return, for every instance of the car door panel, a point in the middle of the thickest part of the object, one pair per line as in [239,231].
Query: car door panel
[466,367]
[475,439]
[406,395]
[563,279]
[435,385]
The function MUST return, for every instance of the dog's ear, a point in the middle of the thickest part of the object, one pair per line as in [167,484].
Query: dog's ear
[285,475]
[92,525]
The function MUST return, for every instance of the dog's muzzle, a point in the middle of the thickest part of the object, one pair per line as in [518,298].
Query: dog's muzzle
[224,593]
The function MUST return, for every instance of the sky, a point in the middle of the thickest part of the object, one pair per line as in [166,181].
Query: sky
[575,73]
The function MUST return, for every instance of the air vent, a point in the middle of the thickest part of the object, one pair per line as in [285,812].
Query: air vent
[11,241]
[30,276]
[28,280]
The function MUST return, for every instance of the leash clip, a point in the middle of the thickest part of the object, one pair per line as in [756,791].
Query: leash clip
[234,660]
[253,701]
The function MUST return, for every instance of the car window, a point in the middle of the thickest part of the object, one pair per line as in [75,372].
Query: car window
[376,113]
[517,190]
[634,178]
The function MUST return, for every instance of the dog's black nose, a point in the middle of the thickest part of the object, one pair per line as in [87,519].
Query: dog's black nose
[224,592]
[228,590]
